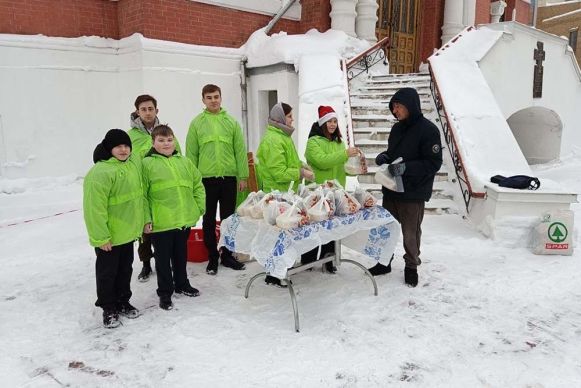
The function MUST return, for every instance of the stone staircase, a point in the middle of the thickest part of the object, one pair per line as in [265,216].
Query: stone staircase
[372,122]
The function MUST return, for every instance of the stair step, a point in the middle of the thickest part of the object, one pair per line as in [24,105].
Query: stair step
[379,87]
[389,119]
[384,94]
[402,78]
[372,130]
[398,85]
[371,142]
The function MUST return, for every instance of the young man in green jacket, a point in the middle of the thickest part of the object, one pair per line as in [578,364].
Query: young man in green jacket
[215,145]
[175,201]
[113,207]
[142,122]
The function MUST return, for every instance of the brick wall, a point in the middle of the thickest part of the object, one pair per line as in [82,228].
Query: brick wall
[561,26]
[482,15]
[524,12]
[66,18]
[178,20]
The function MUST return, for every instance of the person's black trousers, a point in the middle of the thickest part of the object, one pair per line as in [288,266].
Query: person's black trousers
[113,273]
[223,191]
[170,260]
[311,255]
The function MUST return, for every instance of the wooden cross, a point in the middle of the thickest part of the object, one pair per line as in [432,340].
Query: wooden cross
[539,57]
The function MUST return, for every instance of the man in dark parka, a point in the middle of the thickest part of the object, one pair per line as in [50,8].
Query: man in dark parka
[417,141]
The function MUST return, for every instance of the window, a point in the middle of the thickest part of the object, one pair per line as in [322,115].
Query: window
[573,39]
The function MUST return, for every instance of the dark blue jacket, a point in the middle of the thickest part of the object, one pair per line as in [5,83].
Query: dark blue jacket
[417,140]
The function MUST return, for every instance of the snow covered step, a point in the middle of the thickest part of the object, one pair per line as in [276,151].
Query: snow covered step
[371,130]
[387,94]
[369,178]
[398,85]
[387,88]
[372,121]
[402,78]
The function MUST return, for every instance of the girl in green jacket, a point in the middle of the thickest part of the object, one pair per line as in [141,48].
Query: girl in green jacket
[278,160]
[175,201]
[327,154]
[113,209]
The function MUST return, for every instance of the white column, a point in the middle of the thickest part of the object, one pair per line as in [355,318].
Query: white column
[453,17]
[469,13]
[366,20]
[343,16]
[496,10]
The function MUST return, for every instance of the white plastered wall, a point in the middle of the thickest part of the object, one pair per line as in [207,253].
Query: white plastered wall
[508,68]
[59,96]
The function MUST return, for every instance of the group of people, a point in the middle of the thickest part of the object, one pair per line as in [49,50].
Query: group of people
[143,188]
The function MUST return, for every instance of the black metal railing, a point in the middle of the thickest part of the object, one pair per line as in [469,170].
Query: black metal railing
[452,145]
[373,55]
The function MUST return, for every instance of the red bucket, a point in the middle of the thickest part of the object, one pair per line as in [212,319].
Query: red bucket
[197,251]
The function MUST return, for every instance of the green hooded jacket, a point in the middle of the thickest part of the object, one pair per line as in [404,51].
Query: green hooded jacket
[326,157]
[278,161]
[141,141]
[113,203]
[173,190]
[215,145]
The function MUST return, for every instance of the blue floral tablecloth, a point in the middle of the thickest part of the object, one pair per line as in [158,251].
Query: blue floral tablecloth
[371,231]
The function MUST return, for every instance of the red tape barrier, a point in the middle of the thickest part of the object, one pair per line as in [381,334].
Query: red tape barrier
[40,218]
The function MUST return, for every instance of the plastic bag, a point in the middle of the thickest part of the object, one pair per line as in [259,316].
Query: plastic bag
[554,234]
[245,208]
[274,209]
[356,165]
[320,211]
[256,210]
[364,198]
[384,177]
[345,203]
[294,216]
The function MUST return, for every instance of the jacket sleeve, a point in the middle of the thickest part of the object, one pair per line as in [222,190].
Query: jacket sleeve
[431,156]
[96,189]
[240,153]
[199,191]
[192,148]
[318,158]
[145,185]
[276,163]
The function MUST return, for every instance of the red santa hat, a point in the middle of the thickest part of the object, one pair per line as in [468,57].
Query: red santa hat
[326,113]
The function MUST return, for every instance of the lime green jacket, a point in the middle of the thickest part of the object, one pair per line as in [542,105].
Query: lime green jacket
[327,158]
[113,203]
[141,142]
[278,161]
[215,145]
[173,190]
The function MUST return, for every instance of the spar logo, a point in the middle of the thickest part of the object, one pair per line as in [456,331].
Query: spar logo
[557,233]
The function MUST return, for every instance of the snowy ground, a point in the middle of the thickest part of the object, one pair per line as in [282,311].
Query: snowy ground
[485,314]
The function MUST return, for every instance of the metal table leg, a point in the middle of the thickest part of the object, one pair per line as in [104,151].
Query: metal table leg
[250,282]
[364,270]
[291,291]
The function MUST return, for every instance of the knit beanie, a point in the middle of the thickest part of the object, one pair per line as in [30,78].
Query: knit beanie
[326,113]
[115,137]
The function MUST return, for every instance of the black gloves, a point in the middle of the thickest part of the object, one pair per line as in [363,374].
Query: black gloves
[382,158]
[396,169]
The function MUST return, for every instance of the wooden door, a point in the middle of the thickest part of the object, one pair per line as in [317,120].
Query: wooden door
[399,19]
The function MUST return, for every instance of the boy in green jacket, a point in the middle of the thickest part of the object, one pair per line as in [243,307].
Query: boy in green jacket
[175,201]
[114,216]
[142,122]
[216,147]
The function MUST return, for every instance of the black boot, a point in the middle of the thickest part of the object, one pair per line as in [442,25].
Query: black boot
[212,268]
[330,267]
[411,276]
[145,272]
[272,281]
[229,261]
[380,269]
[111,319]
[127,310]
[188,290]
[165,302]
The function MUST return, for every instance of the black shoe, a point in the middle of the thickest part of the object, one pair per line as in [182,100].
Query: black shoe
[272,281]
[127,310]
[212,268]
[165,303]
[330,268]
[230,262]
[188,291]
[411,276]
[111,319]
[145,272]
[380,269]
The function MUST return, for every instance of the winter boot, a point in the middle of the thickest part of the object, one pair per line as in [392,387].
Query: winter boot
[212,268]
[229,261]
[111,319]
[411,276]
[127,310]
[330,267]
[380,269]
[145,272]
[188,290]
[165,302]
[272,281]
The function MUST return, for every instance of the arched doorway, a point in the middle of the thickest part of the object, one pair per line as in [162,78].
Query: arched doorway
[538,132]
[399,20]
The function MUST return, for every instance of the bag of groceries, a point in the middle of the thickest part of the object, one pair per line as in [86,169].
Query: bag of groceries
[356,165]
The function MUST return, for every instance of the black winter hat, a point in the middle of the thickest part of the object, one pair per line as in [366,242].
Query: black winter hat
[115,137]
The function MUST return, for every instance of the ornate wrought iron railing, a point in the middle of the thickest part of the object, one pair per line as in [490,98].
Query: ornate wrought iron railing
[362,62]
[452,145]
